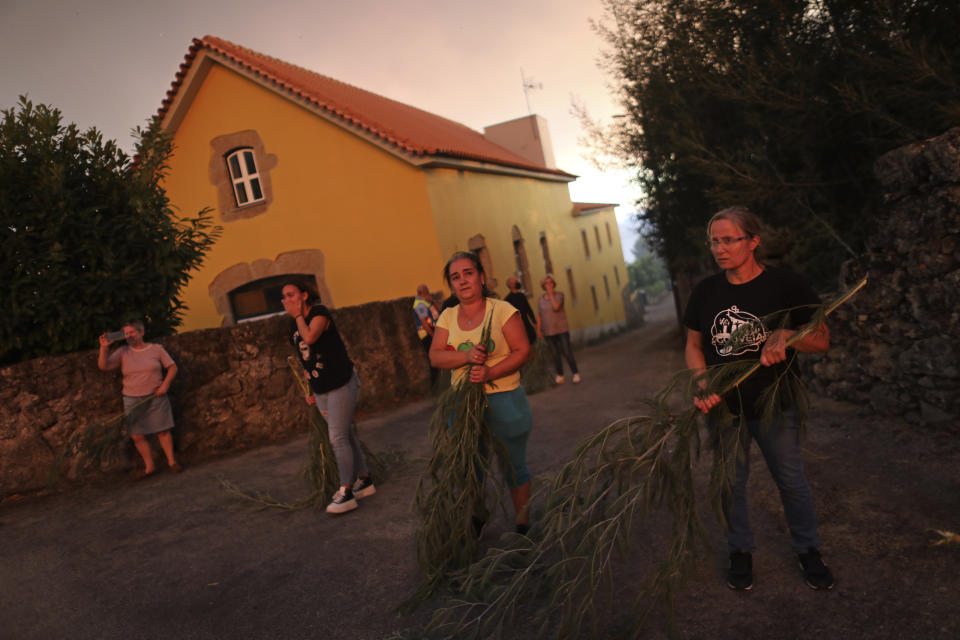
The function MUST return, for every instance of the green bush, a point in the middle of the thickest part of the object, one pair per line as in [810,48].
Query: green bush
[88,237]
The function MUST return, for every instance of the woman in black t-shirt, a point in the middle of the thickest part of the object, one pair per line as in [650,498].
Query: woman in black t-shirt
[335,386]
[730,317]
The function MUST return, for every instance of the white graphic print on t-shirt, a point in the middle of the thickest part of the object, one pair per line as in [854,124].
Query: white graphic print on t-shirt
[736,332]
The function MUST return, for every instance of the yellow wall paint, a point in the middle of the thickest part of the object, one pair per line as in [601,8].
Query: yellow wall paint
[465,204]
[367,210]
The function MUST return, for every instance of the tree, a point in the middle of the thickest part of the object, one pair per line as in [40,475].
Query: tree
[647,271]
[89,238]
[779,105]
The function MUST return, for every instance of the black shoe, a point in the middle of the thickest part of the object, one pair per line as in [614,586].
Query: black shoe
[523,529]
[740,573]
[342,501]
[816,573]
[363,487]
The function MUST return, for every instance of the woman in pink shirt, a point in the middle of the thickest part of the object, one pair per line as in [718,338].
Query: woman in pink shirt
[147,371]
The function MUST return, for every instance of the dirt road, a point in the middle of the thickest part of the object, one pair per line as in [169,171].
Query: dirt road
[177,557]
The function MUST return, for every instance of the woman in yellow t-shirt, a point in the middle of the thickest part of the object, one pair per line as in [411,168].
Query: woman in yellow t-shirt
[496,364]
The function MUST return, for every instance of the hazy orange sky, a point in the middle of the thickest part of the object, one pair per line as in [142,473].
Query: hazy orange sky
[109,63]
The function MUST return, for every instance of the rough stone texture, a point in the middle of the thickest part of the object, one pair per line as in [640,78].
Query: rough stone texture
[234,391]
[897,345]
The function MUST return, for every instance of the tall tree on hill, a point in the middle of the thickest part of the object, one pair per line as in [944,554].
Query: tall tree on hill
[88,238]
[780,105]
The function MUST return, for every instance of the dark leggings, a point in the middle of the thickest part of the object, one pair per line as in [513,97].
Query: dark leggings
[562,349]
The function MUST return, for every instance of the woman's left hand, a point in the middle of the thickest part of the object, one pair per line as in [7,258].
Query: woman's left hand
[480,373]
[161,390]
[775,348]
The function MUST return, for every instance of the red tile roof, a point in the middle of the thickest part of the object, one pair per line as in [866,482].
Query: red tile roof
[414,131]
[582,208]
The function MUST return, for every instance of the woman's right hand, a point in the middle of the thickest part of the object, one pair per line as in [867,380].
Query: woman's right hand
[293,307]
[706,403]
[103,341]
[310,400]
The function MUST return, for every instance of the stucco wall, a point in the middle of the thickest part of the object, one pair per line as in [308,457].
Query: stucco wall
[365,209]
[466,204]
[234,391]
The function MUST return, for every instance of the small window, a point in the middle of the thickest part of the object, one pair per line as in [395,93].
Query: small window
[244,176]
[520,257]
[609,235]
[596,304]
[545,250]
[596,233]
[261,298]
[586,243]
[573,288]
[616,275]
[606,285]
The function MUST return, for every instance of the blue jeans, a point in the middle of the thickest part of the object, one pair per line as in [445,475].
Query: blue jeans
[337,408]
[780,446]
[508,417]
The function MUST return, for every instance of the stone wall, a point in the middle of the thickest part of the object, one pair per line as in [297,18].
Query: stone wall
[234,391]
[896,348]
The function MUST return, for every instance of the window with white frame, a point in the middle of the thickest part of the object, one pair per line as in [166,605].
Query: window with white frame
[244,176]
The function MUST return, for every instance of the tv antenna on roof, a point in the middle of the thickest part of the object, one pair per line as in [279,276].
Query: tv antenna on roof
[529,84]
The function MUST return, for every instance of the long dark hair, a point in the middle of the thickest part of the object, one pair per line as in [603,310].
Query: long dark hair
[303,286]
[472,257]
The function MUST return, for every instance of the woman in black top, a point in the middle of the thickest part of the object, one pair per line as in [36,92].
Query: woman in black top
[335,386]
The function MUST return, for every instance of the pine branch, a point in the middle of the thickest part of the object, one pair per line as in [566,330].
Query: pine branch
[618,475]
[451,496]
[93,446]
[320,472]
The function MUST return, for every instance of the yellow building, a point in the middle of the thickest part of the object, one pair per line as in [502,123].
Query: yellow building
[367,195]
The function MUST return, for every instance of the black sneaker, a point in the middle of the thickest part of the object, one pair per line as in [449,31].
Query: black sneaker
[816,573]
[363,487]
[740,573]
[523,529]
[342,501]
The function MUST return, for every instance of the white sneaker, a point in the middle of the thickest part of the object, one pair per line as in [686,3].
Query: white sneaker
[576,378]
[558,379]
[363,487]
[343,501]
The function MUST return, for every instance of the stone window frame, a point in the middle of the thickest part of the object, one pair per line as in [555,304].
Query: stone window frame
[219,173]
[478,246]
[520,256]
[545,251]
[301,261]
[572,286]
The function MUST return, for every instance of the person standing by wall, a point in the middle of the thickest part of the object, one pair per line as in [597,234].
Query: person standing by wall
[552,323]
[335,386]
[731,316]
[518,299]
[148,370]
[425,316]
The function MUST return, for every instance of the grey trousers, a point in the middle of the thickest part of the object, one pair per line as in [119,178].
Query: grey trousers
[337,408]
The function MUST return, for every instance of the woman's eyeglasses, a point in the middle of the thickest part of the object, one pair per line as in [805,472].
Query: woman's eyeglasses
[713,243]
